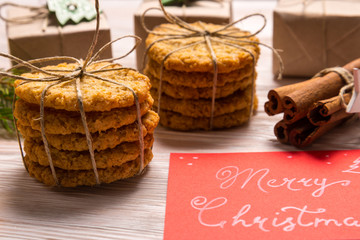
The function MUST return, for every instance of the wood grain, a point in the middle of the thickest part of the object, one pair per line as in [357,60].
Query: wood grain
[135,208]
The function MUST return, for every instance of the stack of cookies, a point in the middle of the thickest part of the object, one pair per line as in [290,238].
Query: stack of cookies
[111,117]
[187,77]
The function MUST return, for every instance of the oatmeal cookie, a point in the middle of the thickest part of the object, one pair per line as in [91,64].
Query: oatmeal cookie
[202,107]
[75,160]
[67,122]
[197,58]
[182,92]
[180,122]
[101,140]
[97,95]
[196,79]
[74,178]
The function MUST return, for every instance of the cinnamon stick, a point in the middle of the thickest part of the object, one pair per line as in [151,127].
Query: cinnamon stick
[282,129]
[298,102]
[329,110]
[306,134]
[275,96]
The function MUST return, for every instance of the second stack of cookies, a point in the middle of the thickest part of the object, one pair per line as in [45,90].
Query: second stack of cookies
[187,80]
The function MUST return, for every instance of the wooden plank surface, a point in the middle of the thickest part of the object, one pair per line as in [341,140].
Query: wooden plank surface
[135,208]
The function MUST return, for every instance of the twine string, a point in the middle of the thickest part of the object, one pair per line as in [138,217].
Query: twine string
[78,74]
[39,13]
[95,38]
[345,75]
[43,136]
[223,35]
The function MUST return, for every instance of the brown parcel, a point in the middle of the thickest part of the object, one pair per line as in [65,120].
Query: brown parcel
[28,40]
[316,36]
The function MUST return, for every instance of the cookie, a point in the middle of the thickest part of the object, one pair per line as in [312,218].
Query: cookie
[67,122]
[197,58]
[177,91]
[196,79]
[101,140]
[75,160]
[202,107]
[97,95]
[74,178]
[180,122]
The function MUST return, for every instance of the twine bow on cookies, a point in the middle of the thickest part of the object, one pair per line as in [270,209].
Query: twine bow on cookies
[224,35]
[76,75]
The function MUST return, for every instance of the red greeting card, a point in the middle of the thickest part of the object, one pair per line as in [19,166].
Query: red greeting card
[268,195]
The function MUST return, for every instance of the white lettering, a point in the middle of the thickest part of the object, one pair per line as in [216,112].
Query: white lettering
[200,203]
[266,224]
[354,166]
[230,174]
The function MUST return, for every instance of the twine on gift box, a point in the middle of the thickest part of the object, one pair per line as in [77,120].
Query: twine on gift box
[224,35]
[76,75]
[38,13]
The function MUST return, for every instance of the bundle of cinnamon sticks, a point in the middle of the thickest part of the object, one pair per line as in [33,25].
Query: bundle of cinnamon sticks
[311,108]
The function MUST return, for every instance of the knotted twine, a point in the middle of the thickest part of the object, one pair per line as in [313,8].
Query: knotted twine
[76,75]
[345,75]
[224,35]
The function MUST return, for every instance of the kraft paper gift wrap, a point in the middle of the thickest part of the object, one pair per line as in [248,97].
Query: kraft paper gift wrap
[45,37]
[314,35]
[205,11]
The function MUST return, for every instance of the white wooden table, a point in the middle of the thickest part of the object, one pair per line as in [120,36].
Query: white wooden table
[135,208]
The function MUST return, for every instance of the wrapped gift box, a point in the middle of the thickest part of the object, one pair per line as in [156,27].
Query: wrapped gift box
[206,11]
[46,38]
[316,35]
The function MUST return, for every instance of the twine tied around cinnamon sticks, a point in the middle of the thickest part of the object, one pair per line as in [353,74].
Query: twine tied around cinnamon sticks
[76,75]
[345,75]
[224,35]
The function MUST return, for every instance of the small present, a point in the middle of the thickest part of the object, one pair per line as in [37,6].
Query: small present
[314,35]
[44,37]
[217,12]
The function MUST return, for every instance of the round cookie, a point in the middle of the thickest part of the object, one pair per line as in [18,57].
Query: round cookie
[179,122]
[182,92]
[101,140]
[74,178]
[197,57]
[196,79]
[202,107]
[74,160]
[97,95]
[67,122]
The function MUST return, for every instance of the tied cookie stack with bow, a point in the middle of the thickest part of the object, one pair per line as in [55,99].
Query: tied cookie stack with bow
[84,123]
[202,75]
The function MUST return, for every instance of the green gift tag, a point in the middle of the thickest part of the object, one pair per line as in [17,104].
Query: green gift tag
[75,10]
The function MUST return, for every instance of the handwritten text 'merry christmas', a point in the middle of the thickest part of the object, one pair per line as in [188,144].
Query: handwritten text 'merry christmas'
[286,218]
